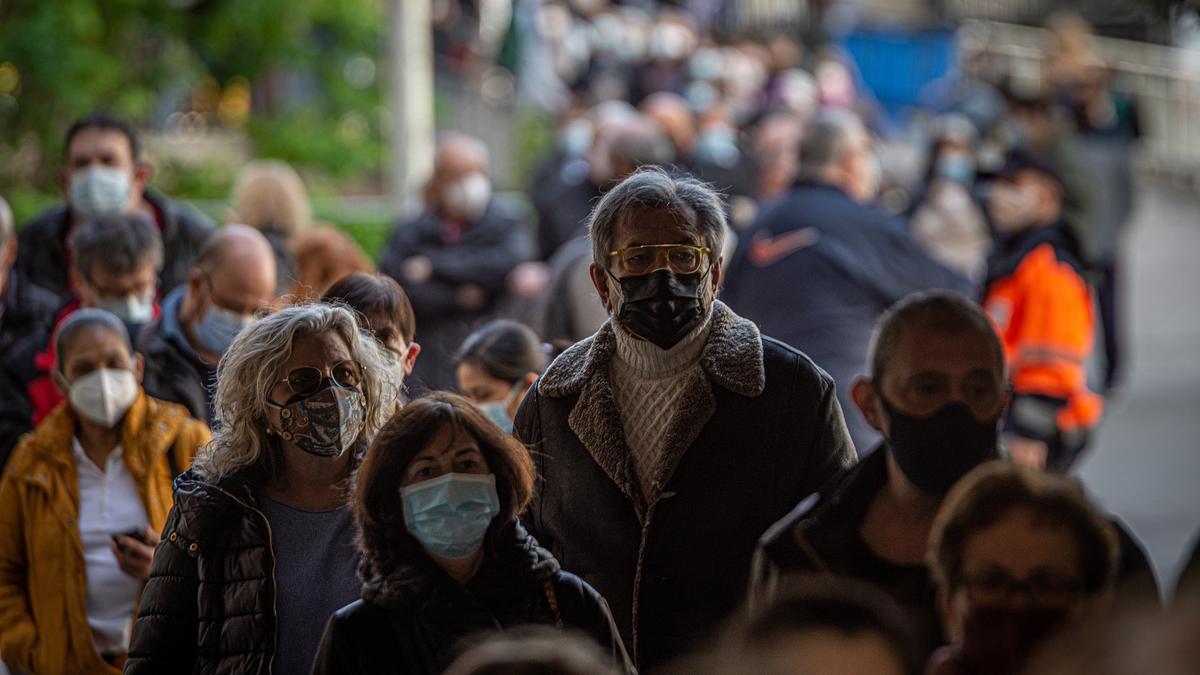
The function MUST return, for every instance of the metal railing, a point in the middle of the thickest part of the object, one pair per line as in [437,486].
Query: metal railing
[1164,80]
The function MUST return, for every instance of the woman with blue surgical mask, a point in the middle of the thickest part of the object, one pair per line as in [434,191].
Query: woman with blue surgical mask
[444,555]
[496,366]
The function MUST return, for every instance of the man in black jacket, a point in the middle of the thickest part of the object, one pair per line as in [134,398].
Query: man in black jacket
[234,278]
[937,392]
[821,264]
[105,174]
[25,309]
[454,258]
[668,437]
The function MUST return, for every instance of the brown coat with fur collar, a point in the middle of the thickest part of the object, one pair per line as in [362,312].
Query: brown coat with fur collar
[761,429]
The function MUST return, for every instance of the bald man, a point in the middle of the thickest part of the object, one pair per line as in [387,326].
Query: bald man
[454,257]
[233,278]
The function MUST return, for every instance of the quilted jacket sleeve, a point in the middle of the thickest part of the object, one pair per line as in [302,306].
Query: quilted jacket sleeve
[165,634]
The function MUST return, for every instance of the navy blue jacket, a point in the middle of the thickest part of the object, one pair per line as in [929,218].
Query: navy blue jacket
[817,269]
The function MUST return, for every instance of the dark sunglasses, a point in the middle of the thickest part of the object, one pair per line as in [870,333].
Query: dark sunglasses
[308,380]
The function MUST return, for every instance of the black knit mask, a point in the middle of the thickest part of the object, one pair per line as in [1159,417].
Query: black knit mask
[662,307]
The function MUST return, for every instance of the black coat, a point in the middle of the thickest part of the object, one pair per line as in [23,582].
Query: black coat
[27,316]
[484,255]
[209,605]
[414,620]
[43,241]
[822,535]
[25,309]
[816,271]
[762,429]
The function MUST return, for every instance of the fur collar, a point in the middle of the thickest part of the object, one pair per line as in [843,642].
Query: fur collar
[732,359]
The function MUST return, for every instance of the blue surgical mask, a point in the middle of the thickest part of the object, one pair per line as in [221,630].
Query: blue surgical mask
[497,411]
[130,308]
[98,191]
[450,514]
[956,167]
[218,327]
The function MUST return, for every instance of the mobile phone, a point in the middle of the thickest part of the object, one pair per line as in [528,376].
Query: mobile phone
[136,533]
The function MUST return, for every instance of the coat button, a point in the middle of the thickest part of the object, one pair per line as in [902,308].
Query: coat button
[192,548]
[286,436]
[285,414]
[173,536]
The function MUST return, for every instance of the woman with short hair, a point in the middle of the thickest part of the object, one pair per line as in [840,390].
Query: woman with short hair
[386,312]
[1017,554]
[444,554]
[259,548]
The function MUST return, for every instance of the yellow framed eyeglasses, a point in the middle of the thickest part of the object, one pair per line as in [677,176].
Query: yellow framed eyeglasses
[679,258]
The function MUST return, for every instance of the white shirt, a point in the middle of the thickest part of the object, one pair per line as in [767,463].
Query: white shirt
[109,504]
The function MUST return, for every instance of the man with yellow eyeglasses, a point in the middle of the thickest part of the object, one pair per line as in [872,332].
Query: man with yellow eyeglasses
[670,439]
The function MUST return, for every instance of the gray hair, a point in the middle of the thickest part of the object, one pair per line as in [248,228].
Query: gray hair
[253,365]
[120,243]
[651,187]
[6,222]
[826,140]
[82,320]
[937,310]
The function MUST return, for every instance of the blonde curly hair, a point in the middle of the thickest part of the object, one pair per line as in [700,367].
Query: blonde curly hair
[251,368]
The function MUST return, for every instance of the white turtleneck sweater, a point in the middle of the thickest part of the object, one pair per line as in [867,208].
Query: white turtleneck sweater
[648,383]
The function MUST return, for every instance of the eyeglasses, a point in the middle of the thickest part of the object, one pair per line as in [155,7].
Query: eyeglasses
[1044,588]
[679,258]
[308,380]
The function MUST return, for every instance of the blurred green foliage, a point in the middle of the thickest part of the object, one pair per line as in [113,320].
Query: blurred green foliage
[309,65]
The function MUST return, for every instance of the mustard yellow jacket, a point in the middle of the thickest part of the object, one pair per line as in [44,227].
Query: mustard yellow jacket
[43,584]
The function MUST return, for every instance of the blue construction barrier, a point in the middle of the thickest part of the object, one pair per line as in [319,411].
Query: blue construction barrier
[897,63]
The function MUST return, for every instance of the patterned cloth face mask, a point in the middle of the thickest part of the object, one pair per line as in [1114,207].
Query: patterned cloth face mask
[324,423]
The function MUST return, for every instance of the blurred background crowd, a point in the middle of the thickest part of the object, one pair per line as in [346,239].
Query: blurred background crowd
[865,150]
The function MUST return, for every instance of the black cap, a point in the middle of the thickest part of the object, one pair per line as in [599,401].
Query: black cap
[1023,160]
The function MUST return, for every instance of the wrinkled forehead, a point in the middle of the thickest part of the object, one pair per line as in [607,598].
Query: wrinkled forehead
[641,225]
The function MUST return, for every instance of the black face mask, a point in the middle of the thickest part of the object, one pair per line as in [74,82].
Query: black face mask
[936,450]
[1000,640]
[661,307]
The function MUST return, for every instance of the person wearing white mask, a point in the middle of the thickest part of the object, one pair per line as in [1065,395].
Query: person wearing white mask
[453,259]
[496,366]
[82,502]
[104,173]
[115,261]
[233,279]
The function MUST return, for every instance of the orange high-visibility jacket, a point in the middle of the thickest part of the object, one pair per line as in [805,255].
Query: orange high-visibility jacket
[1042,309]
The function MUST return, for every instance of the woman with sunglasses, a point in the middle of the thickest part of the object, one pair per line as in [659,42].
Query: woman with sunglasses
[444,555]
[259,549]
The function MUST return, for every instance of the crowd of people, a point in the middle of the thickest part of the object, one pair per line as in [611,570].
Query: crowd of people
[707,407]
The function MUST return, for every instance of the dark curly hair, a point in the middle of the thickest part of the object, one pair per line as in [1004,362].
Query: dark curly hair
[378,507]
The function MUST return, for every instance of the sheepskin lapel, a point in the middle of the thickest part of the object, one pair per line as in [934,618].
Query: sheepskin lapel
[731,359]
[583,370]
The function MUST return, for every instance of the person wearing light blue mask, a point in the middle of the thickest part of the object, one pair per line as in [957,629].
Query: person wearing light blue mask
[947,218]
[232,280]
[497,365]
[445,555]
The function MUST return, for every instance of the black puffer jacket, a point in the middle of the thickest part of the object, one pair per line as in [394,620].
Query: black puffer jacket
[413,620]
[43,241]
[209,606]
